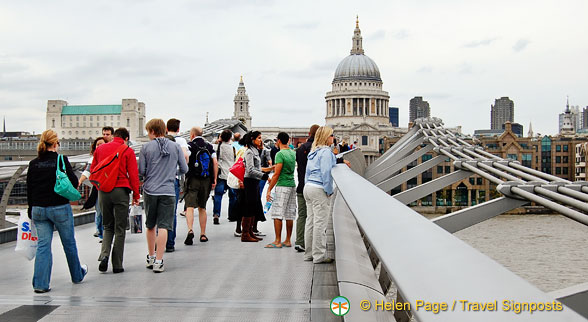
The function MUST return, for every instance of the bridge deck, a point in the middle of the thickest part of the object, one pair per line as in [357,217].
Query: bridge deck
[221,280]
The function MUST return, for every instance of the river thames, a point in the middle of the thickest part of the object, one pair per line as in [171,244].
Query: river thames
[549,251]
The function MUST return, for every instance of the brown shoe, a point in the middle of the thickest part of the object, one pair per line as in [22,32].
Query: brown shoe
[253,233]
[254,236]
[246,230]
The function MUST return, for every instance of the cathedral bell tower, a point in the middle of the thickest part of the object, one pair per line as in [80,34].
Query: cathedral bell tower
[357,48]
[241,100]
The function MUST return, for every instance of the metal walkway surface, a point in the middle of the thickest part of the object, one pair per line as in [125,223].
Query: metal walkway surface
[221,280]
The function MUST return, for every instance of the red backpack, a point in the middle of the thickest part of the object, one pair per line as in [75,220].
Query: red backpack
[106,171]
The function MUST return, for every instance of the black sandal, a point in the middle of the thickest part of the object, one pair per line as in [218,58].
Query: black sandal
[203,238]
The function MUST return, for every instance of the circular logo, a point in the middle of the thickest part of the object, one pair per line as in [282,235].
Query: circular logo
[340,305]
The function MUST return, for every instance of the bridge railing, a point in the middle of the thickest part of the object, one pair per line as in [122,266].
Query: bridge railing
[425,262]
[421,257]
[15,170]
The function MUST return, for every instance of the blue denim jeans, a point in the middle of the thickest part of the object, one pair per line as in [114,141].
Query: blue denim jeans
[98,220]
[261,186]
[171,234]
[60,218]
[219,191]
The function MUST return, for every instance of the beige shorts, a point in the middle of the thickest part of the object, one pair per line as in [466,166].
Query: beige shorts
[284,203]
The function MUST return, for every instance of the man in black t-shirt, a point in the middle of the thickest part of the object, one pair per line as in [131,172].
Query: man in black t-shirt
[266,162]
[301,160]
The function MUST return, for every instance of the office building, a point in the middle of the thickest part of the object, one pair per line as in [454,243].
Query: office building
[394,115]
[501,111]
[418,109]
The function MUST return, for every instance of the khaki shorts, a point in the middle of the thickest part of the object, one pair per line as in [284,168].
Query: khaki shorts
[196,192]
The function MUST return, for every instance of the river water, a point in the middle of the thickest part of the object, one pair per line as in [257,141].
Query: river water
[549,251]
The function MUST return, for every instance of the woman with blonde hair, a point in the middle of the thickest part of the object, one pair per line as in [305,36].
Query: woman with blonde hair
[50,210]
[317,189]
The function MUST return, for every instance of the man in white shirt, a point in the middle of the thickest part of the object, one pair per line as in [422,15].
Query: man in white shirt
[173,129]
[225,155]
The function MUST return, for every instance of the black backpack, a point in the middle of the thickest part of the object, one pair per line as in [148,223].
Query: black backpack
[200,161]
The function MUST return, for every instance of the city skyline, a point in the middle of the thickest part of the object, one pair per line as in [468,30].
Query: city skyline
[184,59]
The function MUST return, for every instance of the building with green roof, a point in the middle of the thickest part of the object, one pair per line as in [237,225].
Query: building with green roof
[87,121]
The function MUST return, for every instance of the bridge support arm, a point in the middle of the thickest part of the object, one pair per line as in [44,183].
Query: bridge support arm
[397,180]
[393,158]
[6,194]
[468,217]
[410,135]
[428,188]
[391,170]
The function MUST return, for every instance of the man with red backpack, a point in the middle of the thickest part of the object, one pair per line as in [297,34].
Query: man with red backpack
[200,179]
[118,159]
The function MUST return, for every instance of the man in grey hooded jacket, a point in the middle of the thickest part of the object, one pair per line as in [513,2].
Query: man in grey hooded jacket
[158,161]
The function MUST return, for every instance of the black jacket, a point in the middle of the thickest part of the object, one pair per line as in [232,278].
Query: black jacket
[301,160]
[41,180]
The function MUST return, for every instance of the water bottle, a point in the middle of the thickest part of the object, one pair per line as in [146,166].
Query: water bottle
[268,204]
[267,207]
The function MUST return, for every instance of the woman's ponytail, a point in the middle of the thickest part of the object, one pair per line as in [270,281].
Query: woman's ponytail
[47,140]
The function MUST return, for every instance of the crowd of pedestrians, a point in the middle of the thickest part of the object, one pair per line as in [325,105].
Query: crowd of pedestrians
[169,165]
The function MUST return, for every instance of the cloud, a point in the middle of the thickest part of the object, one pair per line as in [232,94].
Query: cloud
[479,43]
[521,44]
[401,34]
[303,26]
[466,68]
[377,35]
[425,70]
[436,96]
[230,4]
[326,65]
[139,66]
[8,66]
[316,69]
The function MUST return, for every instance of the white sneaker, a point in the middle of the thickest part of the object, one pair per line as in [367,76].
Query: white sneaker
[236,234]
[150,261]
[259,233]
[84,269]
[158,267]
[84,273]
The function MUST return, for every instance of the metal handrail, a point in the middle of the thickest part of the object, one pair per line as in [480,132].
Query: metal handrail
[356,277]
[410,245]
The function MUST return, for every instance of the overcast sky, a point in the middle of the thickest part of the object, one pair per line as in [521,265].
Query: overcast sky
[184,58]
